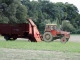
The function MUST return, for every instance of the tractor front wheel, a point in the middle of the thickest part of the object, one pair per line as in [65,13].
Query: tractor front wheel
[63,40]
[47,37]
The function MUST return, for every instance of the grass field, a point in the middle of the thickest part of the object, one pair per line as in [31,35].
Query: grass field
[52,46]
[24,50]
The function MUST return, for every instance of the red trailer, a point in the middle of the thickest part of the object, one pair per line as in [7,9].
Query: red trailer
[24,30]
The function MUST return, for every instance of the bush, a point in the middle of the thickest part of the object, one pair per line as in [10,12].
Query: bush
[76,31]
[4,19]
[66,26]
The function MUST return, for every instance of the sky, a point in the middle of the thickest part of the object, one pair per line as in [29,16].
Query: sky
[75,2]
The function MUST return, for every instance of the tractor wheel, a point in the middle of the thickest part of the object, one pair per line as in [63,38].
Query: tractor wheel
[7,37]
[63,40]
[47,37]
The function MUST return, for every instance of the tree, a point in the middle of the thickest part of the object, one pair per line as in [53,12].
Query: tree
[3,19]
[14,11]
[21,14]
[41,12]
[67,26]
[43,0]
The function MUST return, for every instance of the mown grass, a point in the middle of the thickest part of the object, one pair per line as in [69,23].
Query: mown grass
[52,46]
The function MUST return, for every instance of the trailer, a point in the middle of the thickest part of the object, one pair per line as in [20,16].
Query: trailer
[24,30]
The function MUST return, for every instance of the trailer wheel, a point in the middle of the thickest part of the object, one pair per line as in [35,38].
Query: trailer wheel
[47,37]
[14,38]
[7,37]
[67,39]
[63,40]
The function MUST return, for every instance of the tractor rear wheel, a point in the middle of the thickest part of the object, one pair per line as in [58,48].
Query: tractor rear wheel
[63,40]
[47,37]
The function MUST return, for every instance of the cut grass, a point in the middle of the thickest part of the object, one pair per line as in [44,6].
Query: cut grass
[52,46]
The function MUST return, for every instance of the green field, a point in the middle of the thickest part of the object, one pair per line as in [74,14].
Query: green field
[52,46]
[24,50]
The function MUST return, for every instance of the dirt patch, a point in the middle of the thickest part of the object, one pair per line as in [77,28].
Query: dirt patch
[75,38]
[18,54]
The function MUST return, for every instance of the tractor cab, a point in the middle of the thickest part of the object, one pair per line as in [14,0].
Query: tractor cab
[50,27]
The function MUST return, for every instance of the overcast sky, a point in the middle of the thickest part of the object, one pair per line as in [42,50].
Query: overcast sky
[75,2]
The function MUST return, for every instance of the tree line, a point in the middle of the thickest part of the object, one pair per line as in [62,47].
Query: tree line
[42,12]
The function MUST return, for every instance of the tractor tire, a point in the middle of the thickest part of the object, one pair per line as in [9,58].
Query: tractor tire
[47,37]
[7,37]
[63,40]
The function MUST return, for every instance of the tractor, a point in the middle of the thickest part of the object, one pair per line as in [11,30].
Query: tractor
[52,33]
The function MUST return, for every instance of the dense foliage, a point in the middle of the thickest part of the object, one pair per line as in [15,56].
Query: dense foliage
[42,12]
[12,11]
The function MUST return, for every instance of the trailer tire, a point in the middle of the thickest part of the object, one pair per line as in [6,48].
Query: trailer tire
[7,37]
[14,38]
[47,37]
[67,39]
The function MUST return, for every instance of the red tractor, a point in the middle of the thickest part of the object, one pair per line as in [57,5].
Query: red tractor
[52,33]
